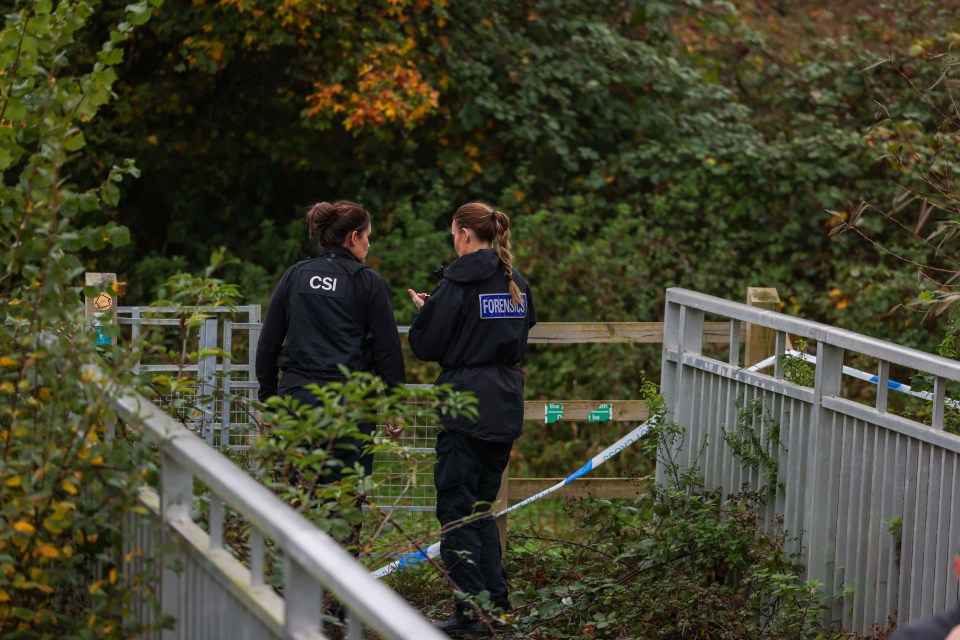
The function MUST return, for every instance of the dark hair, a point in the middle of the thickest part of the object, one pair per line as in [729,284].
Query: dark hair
[489,225]
[333,223]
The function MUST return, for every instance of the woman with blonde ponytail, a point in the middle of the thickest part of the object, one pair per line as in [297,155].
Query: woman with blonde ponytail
[475,324]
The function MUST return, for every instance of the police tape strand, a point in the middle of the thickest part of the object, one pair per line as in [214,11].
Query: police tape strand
[860,375]
[433,550]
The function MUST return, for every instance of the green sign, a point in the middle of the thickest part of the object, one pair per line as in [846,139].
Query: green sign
[552,412]
[602,413]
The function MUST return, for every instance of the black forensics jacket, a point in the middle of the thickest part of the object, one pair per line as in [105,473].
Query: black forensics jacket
[325,312]
[472,328]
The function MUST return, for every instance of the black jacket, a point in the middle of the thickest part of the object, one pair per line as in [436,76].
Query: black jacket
[935,627]
[472,328]
[325,312]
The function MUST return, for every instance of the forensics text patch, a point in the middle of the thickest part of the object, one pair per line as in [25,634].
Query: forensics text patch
[501,305]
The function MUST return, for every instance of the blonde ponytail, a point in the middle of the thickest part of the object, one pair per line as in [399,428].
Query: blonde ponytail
[502,222]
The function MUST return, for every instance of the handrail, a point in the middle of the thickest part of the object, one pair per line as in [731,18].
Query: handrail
[306,548]
[843,338]
[872,491]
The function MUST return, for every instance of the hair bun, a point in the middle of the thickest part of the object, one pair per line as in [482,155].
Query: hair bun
[319,218]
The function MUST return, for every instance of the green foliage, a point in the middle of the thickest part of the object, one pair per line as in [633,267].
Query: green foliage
[922,410]
[636,146]
[678,562]
[755,440]
[913,129]
[68,481]
[796,369]
[302,447]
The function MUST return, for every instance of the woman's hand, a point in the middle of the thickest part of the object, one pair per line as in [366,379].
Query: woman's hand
[418,298]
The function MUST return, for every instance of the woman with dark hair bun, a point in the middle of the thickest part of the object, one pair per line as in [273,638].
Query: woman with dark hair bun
[475,324]
[329,311]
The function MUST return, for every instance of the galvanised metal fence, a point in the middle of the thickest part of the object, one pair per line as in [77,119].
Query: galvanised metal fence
[217,407]
[872,491]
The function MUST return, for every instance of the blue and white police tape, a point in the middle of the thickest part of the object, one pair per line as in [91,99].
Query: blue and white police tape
[856,373]
[434,549]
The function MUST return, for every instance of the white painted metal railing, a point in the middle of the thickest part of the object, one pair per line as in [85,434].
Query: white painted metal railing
[875,496]
[207,590]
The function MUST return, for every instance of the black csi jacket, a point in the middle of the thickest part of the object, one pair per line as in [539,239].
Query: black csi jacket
[325,312]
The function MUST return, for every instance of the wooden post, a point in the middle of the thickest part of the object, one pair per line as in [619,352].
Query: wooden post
[102,303]
[760,342]
[501,503]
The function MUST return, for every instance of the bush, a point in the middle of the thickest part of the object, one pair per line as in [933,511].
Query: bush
[678,562]
[68,483]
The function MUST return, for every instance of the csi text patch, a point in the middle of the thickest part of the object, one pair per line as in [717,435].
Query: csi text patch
[323,284]
[501,305]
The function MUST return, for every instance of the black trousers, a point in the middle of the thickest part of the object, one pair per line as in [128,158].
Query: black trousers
[347,449]
[467,476]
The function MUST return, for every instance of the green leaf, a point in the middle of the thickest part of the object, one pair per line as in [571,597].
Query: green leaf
[119,236]
[110,194]
[39,26]
[139,13]
[16,110]
[112,57]
[23,613]
[74,140]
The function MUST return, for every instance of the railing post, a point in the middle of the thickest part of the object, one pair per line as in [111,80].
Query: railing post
[206,377]
[669,368]
[671,342]
[226,385]
[303,596]
[760,341]
[253,338]
[817,493]
[176,497]
[691,341]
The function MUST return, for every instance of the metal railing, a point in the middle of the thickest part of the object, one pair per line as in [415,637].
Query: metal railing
[874,496]
[203,585]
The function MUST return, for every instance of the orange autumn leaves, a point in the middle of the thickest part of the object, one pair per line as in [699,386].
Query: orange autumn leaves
[375,80]
[389,89]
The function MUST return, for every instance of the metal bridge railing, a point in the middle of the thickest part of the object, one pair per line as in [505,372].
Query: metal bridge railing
[210,593]
[873,491]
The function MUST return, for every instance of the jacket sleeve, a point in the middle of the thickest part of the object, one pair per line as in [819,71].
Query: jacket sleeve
[435,325]
[384,337]
[272,335]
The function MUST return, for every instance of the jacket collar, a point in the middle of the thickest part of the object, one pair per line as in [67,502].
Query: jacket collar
[474,266]
[336,251]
